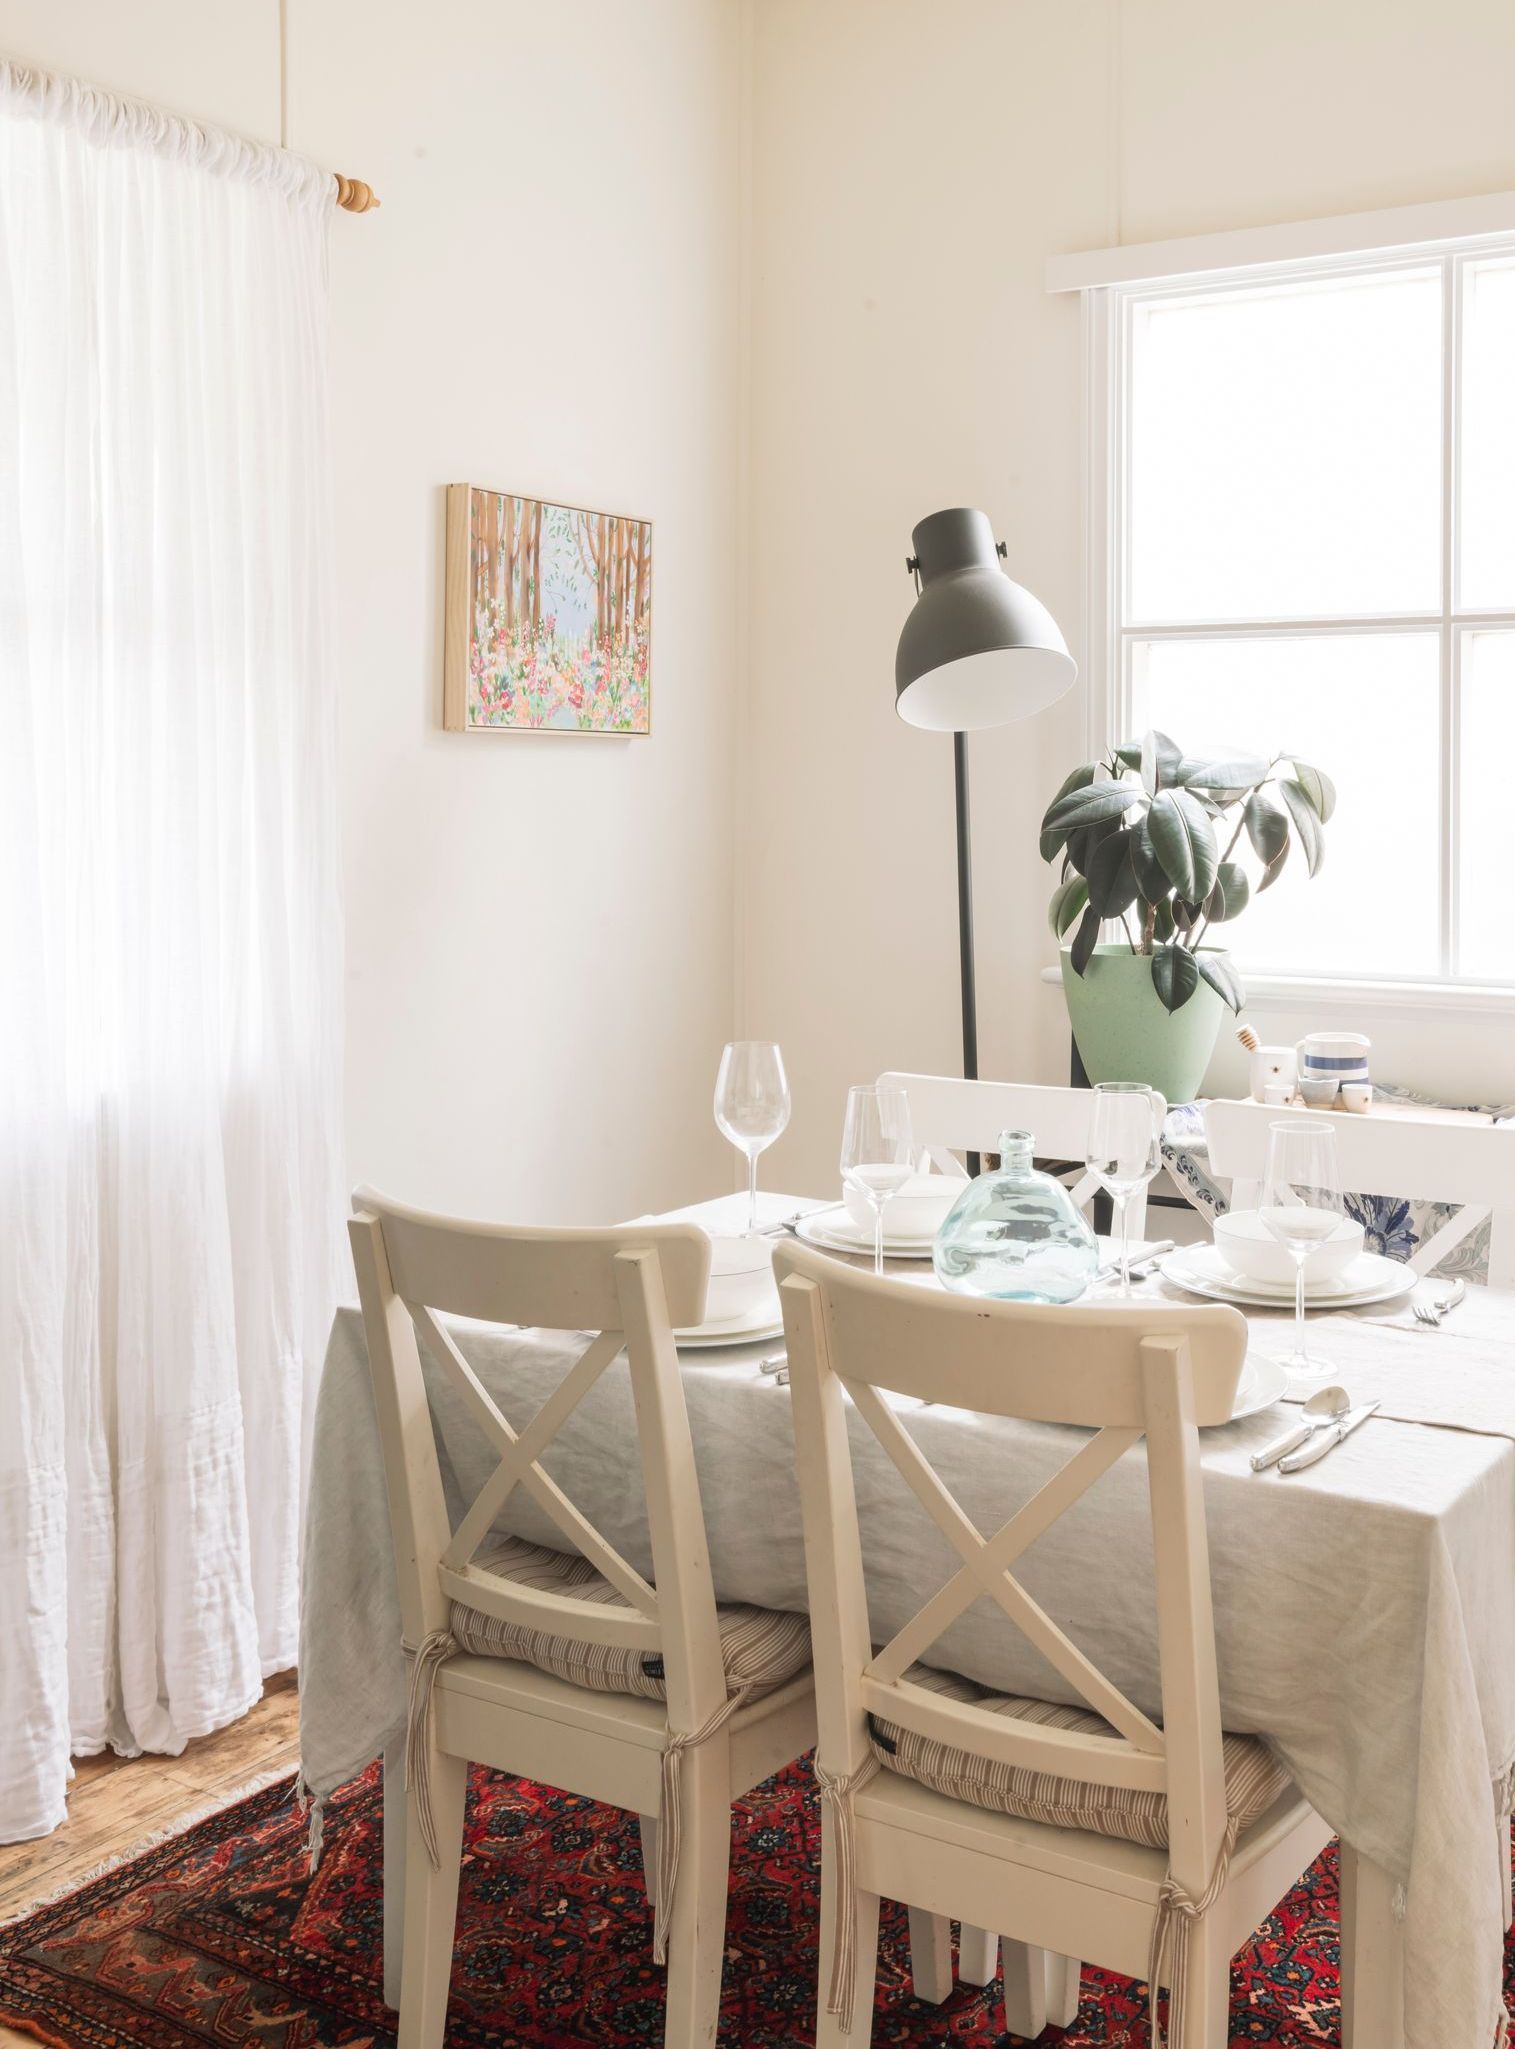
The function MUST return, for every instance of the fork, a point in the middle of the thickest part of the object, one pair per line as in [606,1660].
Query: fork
[1431,1312]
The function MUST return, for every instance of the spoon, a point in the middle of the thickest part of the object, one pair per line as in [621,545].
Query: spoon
[1328,1405]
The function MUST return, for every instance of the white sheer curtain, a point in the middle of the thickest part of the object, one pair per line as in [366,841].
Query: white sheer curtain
[170,941]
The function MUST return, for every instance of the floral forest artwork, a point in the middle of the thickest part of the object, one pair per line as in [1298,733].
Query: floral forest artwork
[549,612]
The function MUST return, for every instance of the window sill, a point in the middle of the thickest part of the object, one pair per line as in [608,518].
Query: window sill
[1301,992]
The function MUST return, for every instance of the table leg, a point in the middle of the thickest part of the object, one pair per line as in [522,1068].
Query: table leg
[394,1869]
[1372,1957]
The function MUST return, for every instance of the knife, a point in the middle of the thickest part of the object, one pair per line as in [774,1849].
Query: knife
[1282,1446]
[1326,1440]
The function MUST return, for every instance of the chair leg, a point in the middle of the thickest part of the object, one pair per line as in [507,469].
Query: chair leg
[431,1906]
[1207,1990]
[697,1924]
[829,2032]
[649,1827]
[977,1955]
[930,1956]
[1025,1988]
[1062,1989]
[394,1870]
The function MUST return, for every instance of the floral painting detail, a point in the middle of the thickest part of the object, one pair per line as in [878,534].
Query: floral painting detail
[549,617]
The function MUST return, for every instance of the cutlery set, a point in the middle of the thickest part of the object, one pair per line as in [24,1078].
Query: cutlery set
[1141,1267]
[1328,1420]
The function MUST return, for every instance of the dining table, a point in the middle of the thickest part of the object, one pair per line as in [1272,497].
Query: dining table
[1364,1606]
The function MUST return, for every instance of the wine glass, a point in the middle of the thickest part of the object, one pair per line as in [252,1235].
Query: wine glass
[1301,1206]
[1125,1151]
[878,1156]
[751,1105]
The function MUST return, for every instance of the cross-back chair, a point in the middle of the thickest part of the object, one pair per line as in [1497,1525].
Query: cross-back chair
[949,1116]
[1471,1164]
[1468,1163]
[570,1666]
[1152,1848]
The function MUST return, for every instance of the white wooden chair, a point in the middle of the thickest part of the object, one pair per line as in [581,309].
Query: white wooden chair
[679,1760]
[949,1115]
[1173,1915]
[1472,1164]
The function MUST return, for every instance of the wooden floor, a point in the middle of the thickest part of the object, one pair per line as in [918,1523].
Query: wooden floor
[117,1804]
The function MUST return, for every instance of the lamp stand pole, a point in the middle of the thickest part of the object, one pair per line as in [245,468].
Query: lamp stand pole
[965,920]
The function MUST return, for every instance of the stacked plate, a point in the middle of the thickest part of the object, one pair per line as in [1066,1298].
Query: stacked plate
[753,1326]
[1369,1278]
[836,1230]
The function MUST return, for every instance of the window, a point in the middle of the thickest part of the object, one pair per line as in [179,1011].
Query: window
[1307,476]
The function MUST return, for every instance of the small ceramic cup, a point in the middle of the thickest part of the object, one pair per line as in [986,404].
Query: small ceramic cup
[1319,1091]
[1273,1067]
[1357,1095]
[1278,1093]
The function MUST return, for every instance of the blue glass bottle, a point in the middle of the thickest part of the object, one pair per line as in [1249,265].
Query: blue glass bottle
[1016,1235]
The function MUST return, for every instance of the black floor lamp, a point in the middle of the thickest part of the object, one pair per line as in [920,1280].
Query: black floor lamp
[976,651]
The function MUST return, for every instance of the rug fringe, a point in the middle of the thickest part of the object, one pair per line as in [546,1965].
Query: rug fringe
[178,1827]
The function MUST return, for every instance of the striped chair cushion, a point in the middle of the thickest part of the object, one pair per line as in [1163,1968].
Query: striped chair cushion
[760,1648]
[1254,1779]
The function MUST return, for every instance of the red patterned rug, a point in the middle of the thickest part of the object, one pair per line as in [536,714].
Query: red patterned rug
[222,1937]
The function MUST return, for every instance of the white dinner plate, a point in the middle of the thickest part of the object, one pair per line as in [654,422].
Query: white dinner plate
[1201,1270]
[834,1231]
[1262,1381]
[754,1327]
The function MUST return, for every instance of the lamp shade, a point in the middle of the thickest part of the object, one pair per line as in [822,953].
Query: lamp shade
[977,650]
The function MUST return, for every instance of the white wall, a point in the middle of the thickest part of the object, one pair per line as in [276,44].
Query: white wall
[912,170]
[539,929]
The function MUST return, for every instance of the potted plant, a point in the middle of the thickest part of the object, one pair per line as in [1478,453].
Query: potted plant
[1148,839]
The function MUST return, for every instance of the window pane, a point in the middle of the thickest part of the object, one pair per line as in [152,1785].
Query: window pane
[1286,451]
[1488,436]
[1486,919]
[1363,707]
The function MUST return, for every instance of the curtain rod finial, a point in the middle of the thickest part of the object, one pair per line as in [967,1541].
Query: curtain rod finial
[353,196]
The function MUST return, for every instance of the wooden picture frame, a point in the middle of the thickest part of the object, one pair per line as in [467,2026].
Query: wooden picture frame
[548,616]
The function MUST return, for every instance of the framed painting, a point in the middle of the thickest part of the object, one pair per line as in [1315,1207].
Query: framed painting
[549,617]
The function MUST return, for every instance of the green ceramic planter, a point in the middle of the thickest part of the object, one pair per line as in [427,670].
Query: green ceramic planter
[1124,1033]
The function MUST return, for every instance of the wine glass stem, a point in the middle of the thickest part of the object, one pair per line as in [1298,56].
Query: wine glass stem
[1123,1206]
[878,1238]
[752,1160]
[1299,1306]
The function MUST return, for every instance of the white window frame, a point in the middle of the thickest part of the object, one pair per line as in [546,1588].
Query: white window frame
[1111,283]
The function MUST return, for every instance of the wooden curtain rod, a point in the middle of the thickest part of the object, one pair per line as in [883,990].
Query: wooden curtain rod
[353,196]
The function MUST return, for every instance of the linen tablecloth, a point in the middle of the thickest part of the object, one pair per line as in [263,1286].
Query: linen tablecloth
[1365,1609]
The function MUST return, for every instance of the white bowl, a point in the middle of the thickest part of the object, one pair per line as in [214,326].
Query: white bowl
[1246,1244]
[918,1211]
[741,1277]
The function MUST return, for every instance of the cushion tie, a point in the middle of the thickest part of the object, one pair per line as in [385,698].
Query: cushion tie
[670,1821]
[1177,1911]
[432,1655]
[837,1790]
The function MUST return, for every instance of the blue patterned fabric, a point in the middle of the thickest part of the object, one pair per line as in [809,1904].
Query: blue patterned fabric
[1392,1224]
